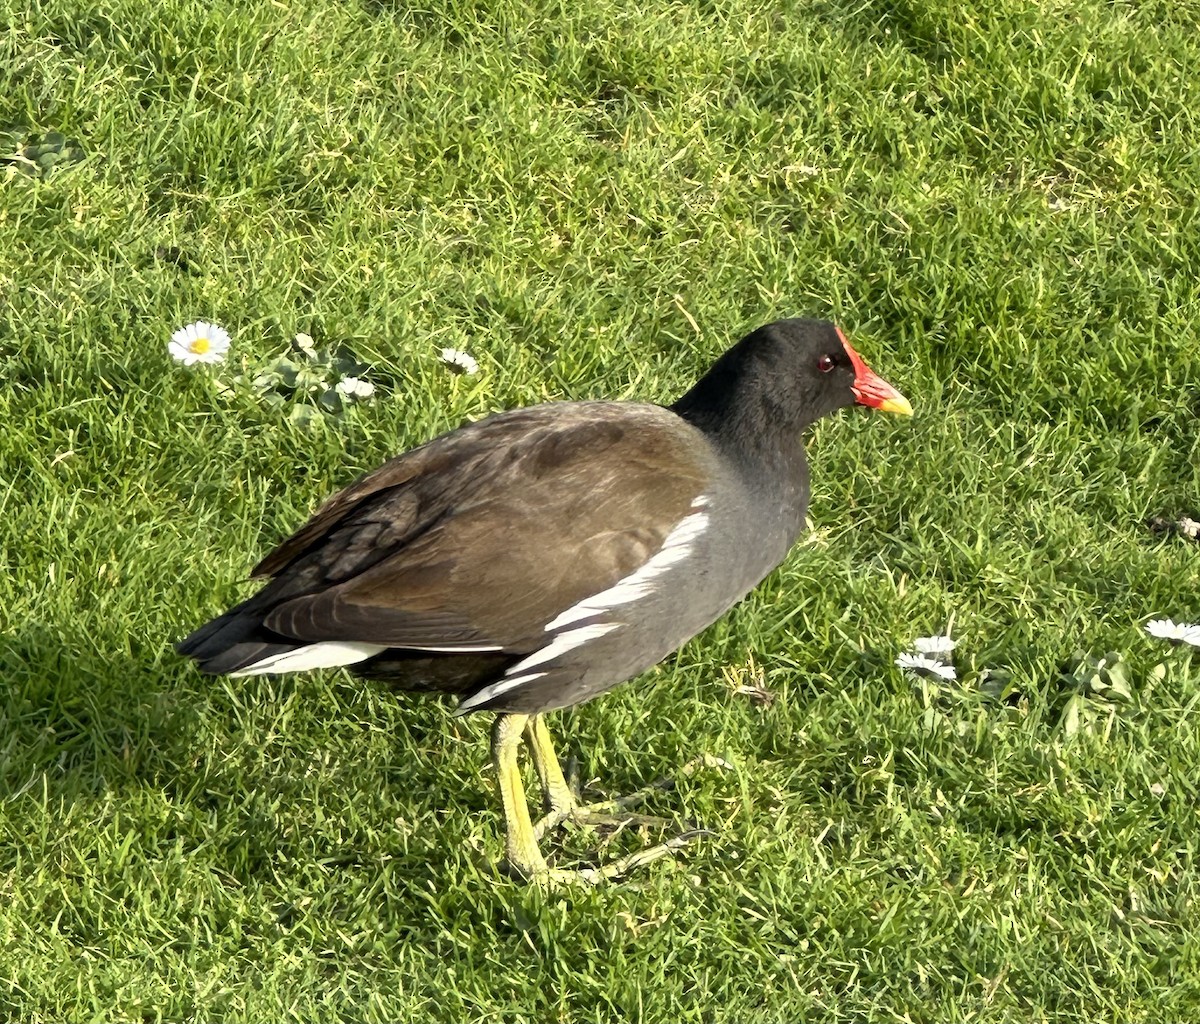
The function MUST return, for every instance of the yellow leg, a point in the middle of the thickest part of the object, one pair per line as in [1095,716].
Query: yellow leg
[521,841]
[521,848]
[562,805]
[557,794]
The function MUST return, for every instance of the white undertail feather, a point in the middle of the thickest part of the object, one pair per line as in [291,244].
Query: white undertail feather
[326,654]
[638,584]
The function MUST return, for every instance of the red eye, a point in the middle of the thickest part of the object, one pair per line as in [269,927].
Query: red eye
[825,364]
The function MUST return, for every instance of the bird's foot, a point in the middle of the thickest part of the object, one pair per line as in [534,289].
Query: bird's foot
[561,794]
[565,806]
[603,813]
[551,878]
[616,814]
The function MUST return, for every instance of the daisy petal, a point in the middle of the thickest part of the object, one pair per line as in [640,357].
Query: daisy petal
[933,645]
[1176,632]
[180,353]
[355,388]
[460,361]
[923,665]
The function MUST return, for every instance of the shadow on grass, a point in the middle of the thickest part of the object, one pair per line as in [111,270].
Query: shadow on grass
[242,768]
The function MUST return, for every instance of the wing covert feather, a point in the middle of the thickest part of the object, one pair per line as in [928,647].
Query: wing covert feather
[481,537]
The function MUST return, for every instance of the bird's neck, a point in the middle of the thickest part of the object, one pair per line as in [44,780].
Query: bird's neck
[757,437]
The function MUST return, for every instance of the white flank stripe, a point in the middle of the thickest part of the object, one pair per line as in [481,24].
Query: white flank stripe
[327,654]
[450,648]
[676,547]
[637,584]
[488,692]
[519,674]
[565,641]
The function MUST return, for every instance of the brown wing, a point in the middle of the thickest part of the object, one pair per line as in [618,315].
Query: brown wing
[479,538]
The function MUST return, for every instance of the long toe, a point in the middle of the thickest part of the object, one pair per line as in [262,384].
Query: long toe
[605,814]
[617,869]
[565,808]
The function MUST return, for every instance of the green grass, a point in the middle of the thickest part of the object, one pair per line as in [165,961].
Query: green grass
[995,199]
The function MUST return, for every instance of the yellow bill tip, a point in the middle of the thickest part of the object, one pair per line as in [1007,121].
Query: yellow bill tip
[899,405]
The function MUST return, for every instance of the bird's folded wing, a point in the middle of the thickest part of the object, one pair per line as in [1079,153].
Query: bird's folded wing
[480,538]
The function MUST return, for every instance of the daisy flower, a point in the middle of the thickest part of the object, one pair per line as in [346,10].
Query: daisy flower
[924,665]
[934,645]
[460,362]
[1181,632]
[355,388]
[200,342]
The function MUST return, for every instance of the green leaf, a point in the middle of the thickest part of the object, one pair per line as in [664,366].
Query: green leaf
[330,401]
[1072,717]
[310,380]
[347,364]
[286,372]
[1120,688]
[302,415]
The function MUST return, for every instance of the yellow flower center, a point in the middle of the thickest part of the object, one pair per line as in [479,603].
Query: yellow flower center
[200,346]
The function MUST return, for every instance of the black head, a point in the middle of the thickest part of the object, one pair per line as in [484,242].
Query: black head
[782,378]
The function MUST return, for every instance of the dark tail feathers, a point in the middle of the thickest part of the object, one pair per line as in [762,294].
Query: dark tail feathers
[233,641]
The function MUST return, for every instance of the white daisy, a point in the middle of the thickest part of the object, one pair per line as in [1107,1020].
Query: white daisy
[935,645]
[923,665]
[460,361]
[200,342]
[1181,632]
[355,388]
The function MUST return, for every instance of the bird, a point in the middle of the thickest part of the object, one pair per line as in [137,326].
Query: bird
[536,558]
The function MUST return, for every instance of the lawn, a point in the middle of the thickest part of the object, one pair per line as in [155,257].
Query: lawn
[995,199]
